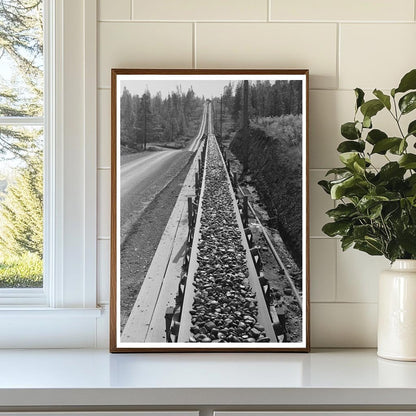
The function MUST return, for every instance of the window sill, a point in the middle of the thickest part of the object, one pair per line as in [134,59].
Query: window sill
[34,311]
[323,379]
[40,327]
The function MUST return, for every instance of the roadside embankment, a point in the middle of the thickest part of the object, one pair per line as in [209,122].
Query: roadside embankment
[275,169]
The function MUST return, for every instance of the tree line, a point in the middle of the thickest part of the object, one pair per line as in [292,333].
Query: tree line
[265,99]
[148,119]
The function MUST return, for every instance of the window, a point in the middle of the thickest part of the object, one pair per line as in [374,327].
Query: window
[62,313]
[22,138]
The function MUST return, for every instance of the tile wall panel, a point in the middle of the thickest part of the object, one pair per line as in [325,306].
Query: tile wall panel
[323,269]
[388,54]
[114,10]
[341,10]
[142,45]
[274,46]
[200,10]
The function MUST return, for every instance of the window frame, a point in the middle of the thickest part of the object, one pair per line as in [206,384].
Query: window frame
[64,313]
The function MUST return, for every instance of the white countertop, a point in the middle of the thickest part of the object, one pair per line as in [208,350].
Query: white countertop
[96,377]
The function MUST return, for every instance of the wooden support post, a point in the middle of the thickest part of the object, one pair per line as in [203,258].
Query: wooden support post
[245,210]
[229,166]
[235,180]
[168,321]
[196,183]
[190,212]
[199,166]
[221,118]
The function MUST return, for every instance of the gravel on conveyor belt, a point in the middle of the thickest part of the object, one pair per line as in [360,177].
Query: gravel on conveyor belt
[224,307]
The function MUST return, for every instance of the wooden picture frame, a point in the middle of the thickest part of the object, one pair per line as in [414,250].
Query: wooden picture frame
[209,211]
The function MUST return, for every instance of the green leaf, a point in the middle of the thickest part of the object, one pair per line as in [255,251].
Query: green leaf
[383,145]
[371,108]
[391,170]
[346,242]
[385,99]
[349,158]
[375,136]
[367,122]
[368,248]
[375,212]
[408,102]
[369,201]
[407,240]
[342,211]
[338,171]
[393,250]
[361,231]
[359,94]
[400,148]
[325,186]
[408,161]
[340,188]
[349,131]
[411,130]
[408,82]
[336,228]
[349,146]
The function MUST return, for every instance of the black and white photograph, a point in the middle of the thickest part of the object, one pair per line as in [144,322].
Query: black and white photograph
[209,244]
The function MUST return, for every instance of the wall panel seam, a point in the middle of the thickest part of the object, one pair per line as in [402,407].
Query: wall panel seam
[194,63]
[340,303]
[266,20]
[338,56]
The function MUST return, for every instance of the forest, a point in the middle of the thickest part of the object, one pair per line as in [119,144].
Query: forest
[269,147]
[21,146]
[152,119]
[265,99]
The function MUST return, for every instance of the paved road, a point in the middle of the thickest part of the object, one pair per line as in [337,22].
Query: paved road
[143,178]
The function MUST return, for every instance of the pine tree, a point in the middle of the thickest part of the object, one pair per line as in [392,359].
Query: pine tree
[21,92]
[127,136]
[21,218]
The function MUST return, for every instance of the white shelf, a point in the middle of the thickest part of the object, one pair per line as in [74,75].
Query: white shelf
[56,378]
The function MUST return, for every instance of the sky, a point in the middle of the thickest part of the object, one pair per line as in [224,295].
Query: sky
[208,89]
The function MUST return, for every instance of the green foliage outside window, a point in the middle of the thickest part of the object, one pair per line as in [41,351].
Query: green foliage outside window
[21,147]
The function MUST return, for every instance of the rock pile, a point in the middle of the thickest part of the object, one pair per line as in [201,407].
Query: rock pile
[224,307]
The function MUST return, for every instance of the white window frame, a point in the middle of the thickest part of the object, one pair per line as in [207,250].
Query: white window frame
[64,313]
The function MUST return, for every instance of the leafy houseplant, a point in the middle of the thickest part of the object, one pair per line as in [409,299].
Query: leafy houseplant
[376,212]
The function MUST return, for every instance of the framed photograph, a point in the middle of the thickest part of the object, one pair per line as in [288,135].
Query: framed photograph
[209,211]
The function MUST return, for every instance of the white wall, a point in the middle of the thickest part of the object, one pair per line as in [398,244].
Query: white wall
[344,43]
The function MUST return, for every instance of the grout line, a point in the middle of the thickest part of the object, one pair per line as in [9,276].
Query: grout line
[338,63]
[336,271]
[323,237]
[194,45]
[344,303]
[319,169]
[311,22]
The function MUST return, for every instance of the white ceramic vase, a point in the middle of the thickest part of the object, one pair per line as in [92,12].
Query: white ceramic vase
[397,312]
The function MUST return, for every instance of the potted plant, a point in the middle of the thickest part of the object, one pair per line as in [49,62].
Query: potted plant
[376,209]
